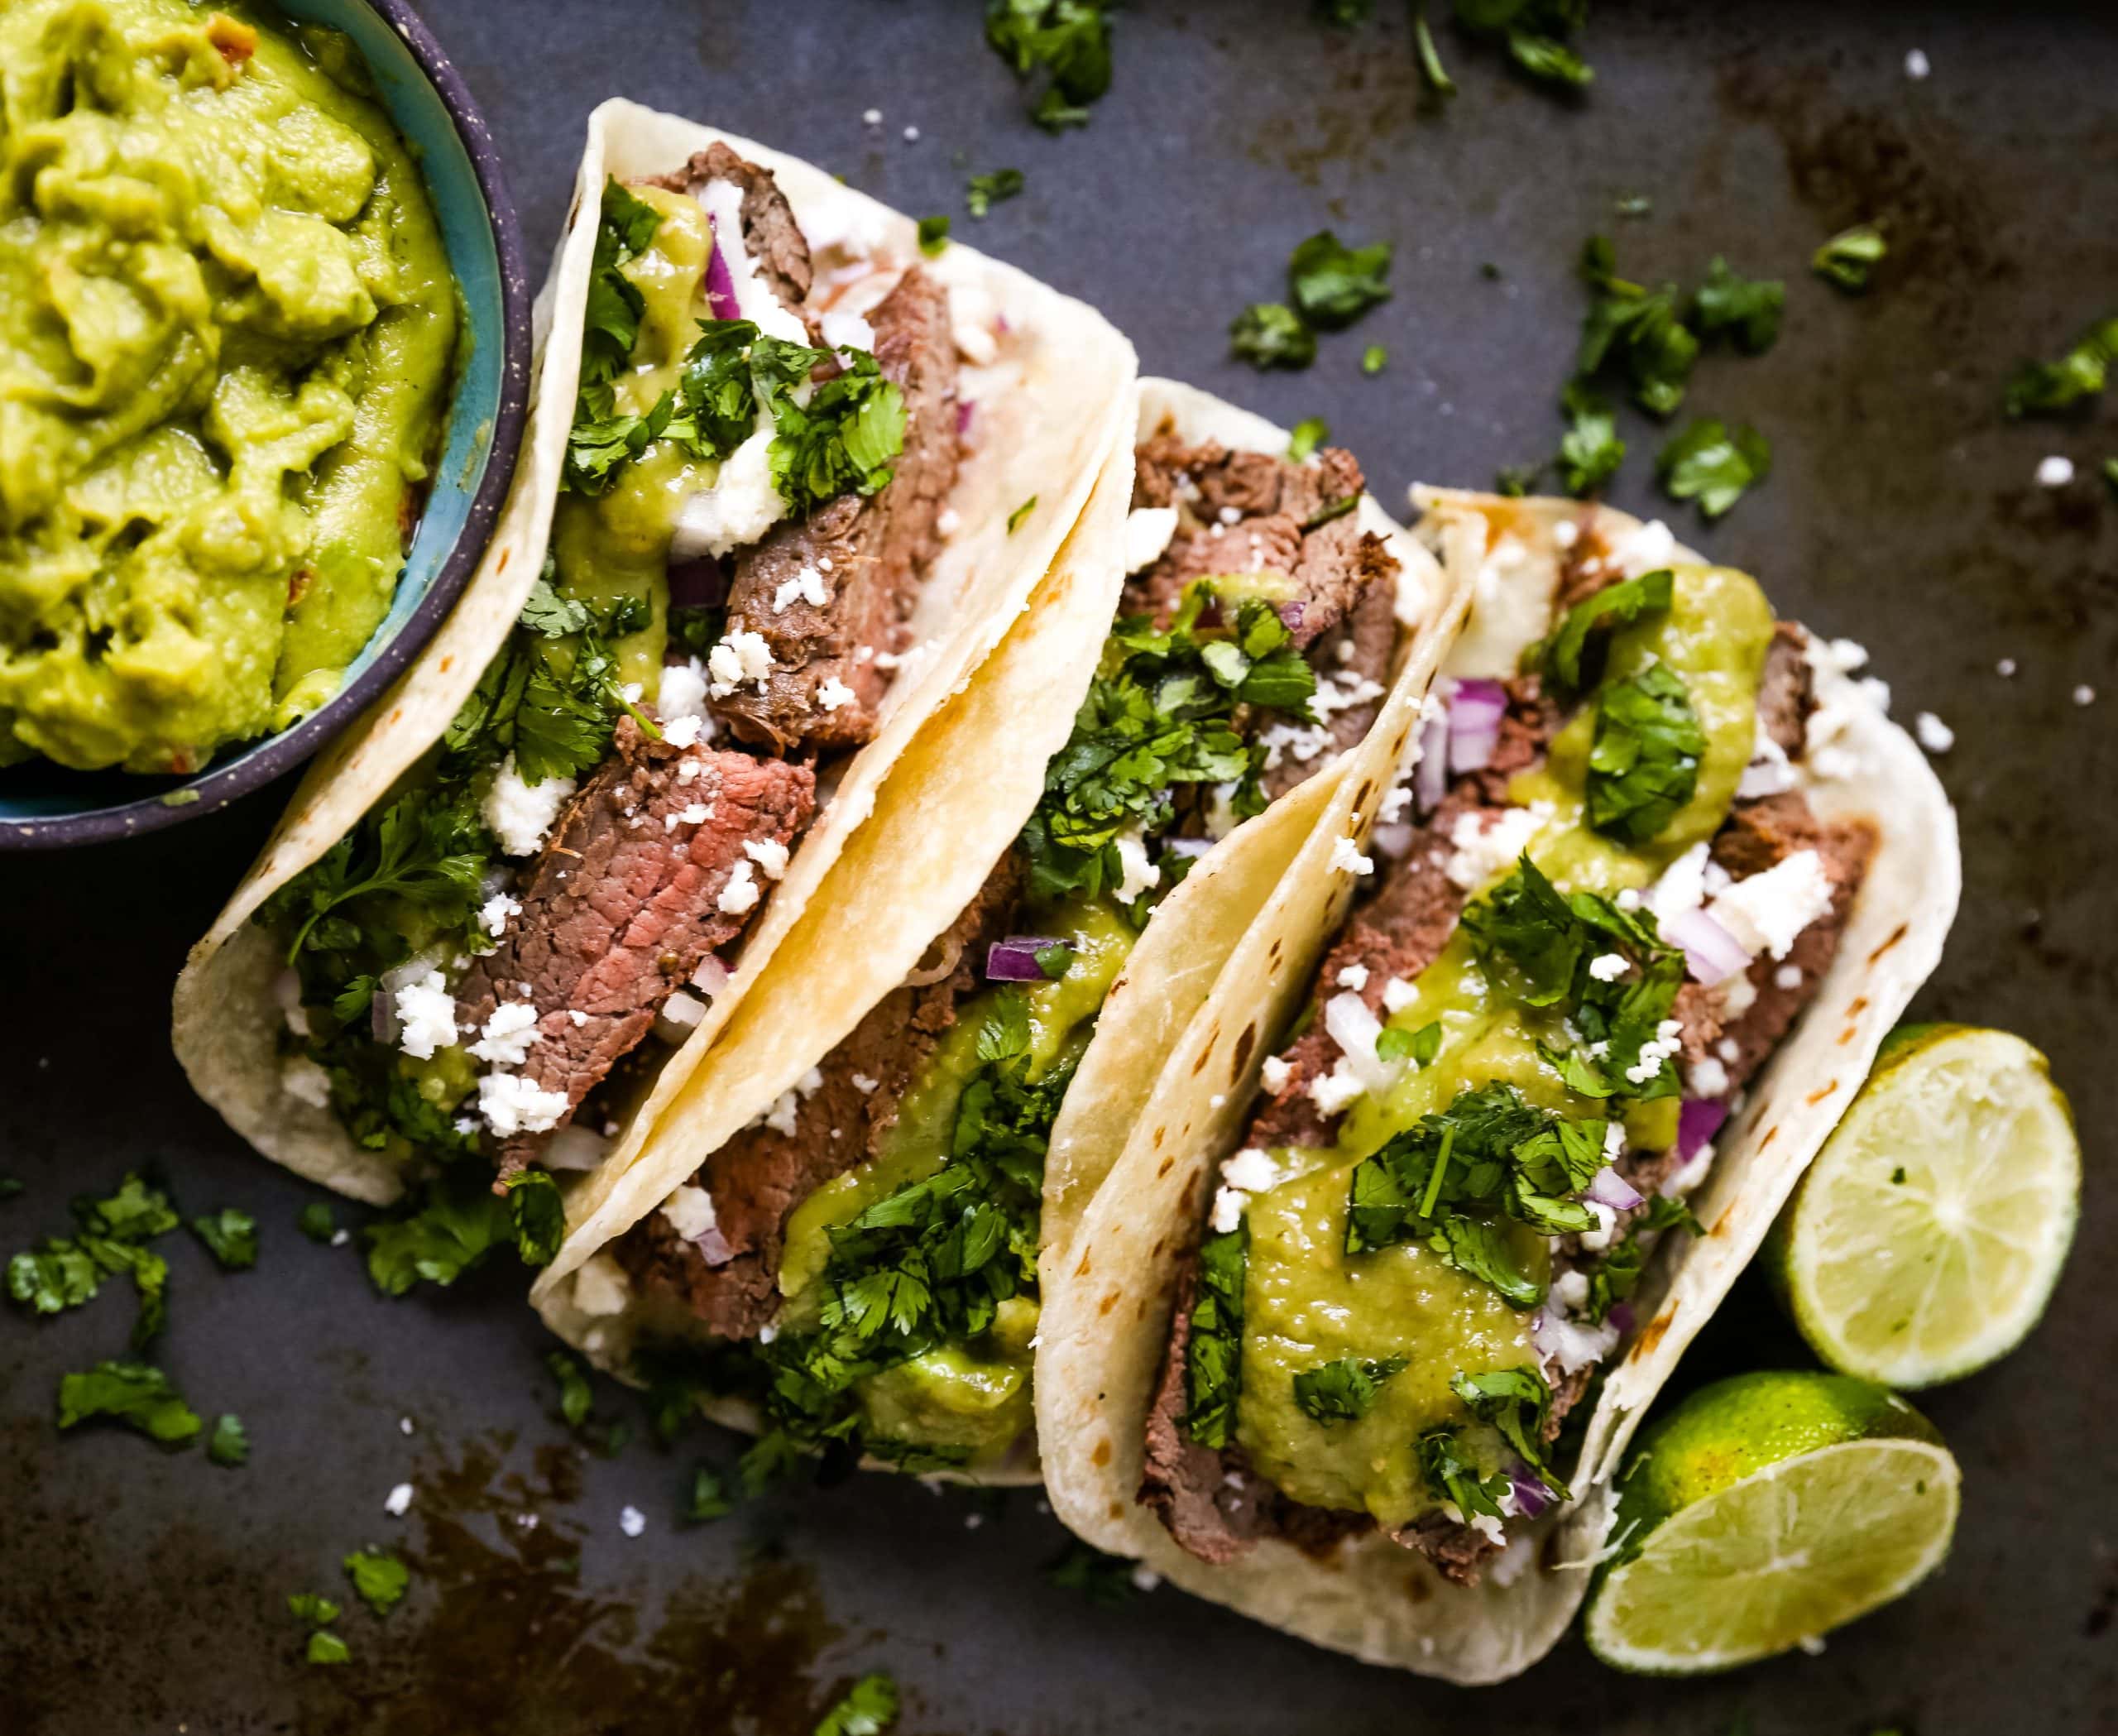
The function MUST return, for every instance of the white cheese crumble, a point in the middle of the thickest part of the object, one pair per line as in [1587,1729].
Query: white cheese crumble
[1709,1078]
[848,331]
[520,813]
[1936,737]
[1274,1074]
[834,694]
[696,813]
[399,1501]
[1788,976]
[1767,911]
[770,854]
[681,699]
[1643,550]
[949,522]
[426,1016]
[1347,859]
[741,505]
[1397,994]
[863,1085]
[740,895]
[1667,1040]
[1333,1091]
[508,1034]
[808,586]
[1354,977]
[286,989]
[2084,694]
[690,1211]
[738,657]
[511,1105]
[1597,1239]
[632,1520]
[1608,967]
[1148,532]
[1249,1171]
[2055,472]
[1565,534]
[494,913]
[1917,65]
[1139,875]
[1484,852]
[1769,773]
[1681,888]
[600,1287]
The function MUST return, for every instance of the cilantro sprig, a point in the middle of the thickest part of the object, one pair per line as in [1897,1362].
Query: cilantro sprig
[1713,465]
[1344,1390]
[1643,763]
[1213,1355]
[2047,388]
[1329,286]
[1536,34]
[1069,40]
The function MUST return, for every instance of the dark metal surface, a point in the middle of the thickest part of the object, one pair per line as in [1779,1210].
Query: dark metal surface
[139,1591]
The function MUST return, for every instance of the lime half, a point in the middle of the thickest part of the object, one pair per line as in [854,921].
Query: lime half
[1763,1512]
[1925,1239]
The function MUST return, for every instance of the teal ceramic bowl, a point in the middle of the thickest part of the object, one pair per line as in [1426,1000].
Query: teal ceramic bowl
[43,806]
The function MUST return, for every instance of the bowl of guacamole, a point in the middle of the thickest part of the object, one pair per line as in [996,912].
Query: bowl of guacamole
[264,354]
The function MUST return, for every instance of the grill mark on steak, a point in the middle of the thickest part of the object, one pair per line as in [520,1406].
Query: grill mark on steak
[771,235]
[869,553]
[621,909]
[761,1175]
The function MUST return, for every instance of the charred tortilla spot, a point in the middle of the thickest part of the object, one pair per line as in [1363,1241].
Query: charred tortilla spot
[1896,935]
[1360,800]
[1819,1095]
[1167,1164]
[1082,1270]
[500,565]
[1653,1333]
[1419,1587]
[1770,1134]
[1243,1045]
[1722,1222]
[1108,1303]
[1101,1455]
[1156,1143]
[1117,1509]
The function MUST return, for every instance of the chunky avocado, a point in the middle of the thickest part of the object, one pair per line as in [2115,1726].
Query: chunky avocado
[228,333]
[1307,1301]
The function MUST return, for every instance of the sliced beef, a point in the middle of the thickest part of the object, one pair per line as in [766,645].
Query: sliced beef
[626,902]
[1786,693]
[1458,1551]
[1353,673]
[832,661]
[760,1176]
[771,237]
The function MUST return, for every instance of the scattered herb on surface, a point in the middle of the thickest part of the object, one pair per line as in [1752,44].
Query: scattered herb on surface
[1710,464]
[2043,388]
[1748,309]
[134,1393]
[1105,1580]
[1068,40]
[1431,67]
[325,1647]
[1848,259]
[1271,334]
[708,1499]
[379,1577]
[1333,285]
[230,1236]
[316,1222]
[229,1443]
[1374,359]
[982,192]
[1536,34]
[933,235]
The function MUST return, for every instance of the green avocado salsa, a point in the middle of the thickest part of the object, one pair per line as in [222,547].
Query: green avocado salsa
[1366,1333]
[228,332]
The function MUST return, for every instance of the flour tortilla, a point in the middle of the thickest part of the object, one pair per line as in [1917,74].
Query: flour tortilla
[919,861]
[1050,412]
[1107,1308]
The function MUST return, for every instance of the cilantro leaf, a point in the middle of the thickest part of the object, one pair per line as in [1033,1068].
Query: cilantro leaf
[537,1214]
[844,439]
[1634,331]
[1310,433]
[1533,33]
[868,1708]
[230,1236]
[229,1443]
[1590,451]
[1848,259]
[325,1647]
[438,1234]
[1069,40]
[10,1187]
[1334,284]
[982,192]
[1613,1278]
[577,1398]
[708,1497]
[1344,1390]
[316,1221]
[1374,359]
[933,235]
[379,1577]
[1749,310]
[1643,765]
[61,1274]
[1213,1354]
[1564,660]
[1421,1046]
[135,1394]
[1271,334]
[1707,462]
[307,1606]
[1343,14]
[1431,67]
[1105,1580]
[1454,1477]
[625,228]
[2042,388]
[1516,1402]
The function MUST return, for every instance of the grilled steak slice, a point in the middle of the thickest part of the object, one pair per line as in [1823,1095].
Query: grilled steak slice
[760,1176]
[632,891]
[832,661]
[1786,693]
[771,237]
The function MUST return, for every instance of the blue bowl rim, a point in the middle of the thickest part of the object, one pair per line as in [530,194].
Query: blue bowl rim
[214,789]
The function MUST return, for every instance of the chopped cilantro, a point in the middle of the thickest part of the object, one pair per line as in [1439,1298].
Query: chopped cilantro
[1439,1455]
[577,1398]
[1633,204]
[1431,67]
[538,1214]
[307,1606]
[1612,1279]
[1343,14]
[1105,1580]
[1310,433]
[2040,388]
[1643,765]
[1848,259]
[625,228]
[933,235]
[1055,961]
[1213,1354]
[1634,332]
[1374,359]
[1015,518]
[1590,452]
[1565,658]
[316,1221]
[325,1647]
[1334,284]
[229,1443]
[708,1497]
[1271,334]
[1069,39]
[134,1393]
[1516,1403]
[1396,1043]
[379,1577]
[982,192]
[868,1708]
[1534,34]
[450,1225]
[1748,310]
[1710,464]
[230,1236]
[1328,510]
[1344,1391]
[1516,480]
[67,1272]
[844,439]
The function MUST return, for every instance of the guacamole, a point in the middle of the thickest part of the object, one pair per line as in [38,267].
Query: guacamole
[227,332]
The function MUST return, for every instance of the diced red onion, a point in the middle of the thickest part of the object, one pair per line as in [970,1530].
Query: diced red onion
[697,583]
[1014,959]
[1621,1316]
[1430,776]
[1712,954]
[1475,710]
[1608,1187]
[720,281]
[1531,1499]
[710,977]
[1393,840]
[1001,324]
[713,1247]
[965,409]
[1291,614]
[1697,1120]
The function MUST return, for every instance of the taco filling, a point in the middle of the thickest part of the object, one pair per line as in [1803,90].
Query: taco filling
[866,1254]
[1601,904]
[486,971]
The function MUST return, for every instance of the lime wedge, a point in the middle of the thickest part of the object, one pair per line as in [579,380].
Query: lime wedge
[1763,1512]
[1924,1241]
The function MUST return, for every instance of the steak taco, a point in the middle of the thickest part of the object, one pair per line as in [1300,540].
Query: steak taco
[789,484]
[1352,1335]
[833,1232]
